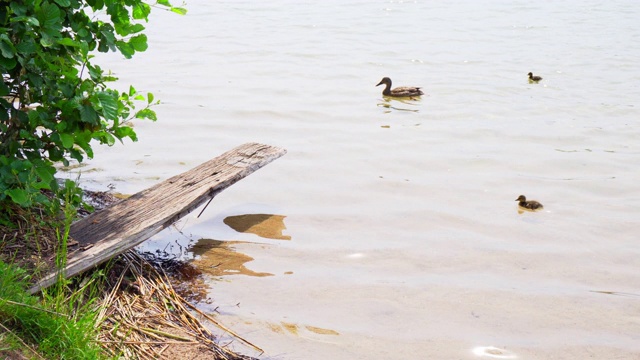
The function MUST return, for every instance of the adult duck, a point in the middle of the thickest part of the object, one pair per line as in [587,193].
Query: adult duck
[403,91]
[528,204]
[534,78]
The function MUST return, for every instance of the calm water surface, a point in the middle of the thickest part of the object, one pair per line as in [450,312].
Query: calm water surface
[395,234]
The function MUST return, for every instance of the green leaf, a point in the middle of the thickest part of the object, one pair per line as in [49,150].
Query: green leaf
[55,154]
[179,10]
[19,196]
[61,126]
[141,11]
[107,40]
[4,89]
[63,3]
[164,2]
[125,131]
[83,138]
[46,40]
[95,72]
[104,138]
[26,47]
[45,172]
[67,140]
[40,185]
[69,42]
[8,51]
[146,114]
[75,154]
[18,8]
[136,28]
[4,116]
[127,29]
[21,165]
[49,16]
[27,19]
[32,21]
[109,105]
[139,42]
[6,47]
[96,4]
[125,49]
[34,117]
[7,64]
[149,98]
[88,114]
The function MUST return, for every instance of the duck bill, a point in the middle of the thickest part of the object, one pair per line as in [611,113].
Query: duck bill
[380,83]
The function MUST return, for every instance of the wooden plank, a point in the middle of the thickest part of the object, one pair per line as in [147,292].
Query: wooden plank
[120,227]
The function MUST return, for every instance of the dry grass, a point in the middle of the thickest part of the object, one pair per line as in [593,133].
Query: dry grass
[144,318]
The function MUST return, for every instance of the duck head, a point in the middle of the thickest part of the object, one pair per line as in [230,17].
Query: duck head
[521,198]
[385,80]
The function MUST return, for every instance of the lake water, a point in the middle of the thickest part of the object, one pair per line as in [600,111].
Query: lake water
[390,230]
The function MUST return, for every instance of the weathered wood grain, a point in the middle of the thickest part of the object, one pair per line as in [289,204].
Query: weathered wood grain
[120,227]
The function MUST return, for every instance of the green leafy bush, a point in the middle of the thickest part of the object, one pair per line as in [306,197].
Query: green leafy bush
[54,101]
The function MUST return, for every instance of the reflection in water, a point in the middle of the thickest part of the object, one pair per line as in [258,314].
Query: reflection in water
[218,258]
[188,282]
[264,225]
[618,293]
[405,103]
[522,210]
[493,352]
[322,331]
[296,329]
[292,328]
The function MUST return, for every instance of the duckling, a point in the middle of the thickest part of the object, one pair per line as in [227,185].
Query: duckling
[404,91]
[531,204]
[533,78]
